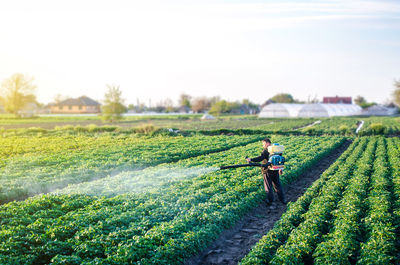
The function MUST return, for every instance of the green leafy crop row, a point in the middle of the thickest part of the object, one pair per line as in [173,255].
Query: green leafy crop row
[345,217]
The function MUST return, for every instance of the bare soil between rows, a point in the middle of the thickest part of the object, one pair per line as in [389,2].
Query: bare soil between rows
[235,243]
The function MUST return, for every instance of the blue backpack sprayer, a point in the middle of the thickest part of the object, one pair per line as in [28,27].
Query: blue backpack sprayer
[275,162]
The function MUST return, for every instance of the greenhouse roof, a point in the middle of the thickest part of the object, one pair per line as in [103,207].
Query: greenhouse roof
[309,110]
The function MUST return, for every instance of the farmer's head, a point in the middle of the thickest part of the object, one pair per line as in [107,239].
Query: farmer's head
[266,142]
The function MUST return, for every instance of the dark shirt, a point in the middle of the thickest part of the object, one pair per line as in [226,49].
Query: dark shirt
[263,158]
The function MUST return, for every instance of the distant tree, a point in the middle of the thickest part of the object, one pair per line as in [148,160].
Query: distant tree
[363,103]
[113,105]
[200,104]
[253,107]
[249,103]
[141,108]
[131,107]
[1,104]
[219,107]
[18,91]
[360,100]
[396,93]
[223,106]
[283,98]
[184,100]
[246,102]
[214,100]
[169,105]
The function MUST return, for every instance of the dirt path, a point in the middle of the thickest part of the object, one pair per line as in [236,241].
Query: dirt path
[233,244]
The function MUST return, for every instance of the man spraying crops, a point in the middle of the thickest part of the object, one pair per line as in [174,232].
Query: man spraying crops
[271,176]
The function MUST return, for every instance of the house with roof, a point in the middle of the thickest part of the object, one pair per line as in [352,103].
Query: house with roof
[76,106]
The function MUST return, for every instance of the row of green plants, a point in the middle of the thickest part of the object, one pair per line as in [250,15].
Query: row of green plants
[381,126]
[265,249]
[162,226]
[332,126]
[343,218]
[9,119]
[140,129]
[379,244]
[340,244]
[394,163]
[32,165]
[245,125]
[286,125]
[346,126]
[349,125]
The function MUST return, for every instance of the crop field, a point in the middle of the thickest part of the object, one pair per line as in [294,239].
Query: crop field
[193,210]
[37,164]
[107,195]
[350,215]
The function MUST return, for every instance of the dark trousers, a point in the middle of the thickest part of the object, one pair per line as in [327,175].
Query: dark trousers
[271,179]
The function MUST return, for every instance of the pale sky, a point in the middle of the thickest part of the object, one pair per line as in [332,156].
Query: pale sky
[232,49]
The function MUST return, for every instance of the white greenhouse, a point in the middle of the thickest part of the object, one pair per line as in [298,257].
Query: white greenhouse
[329,110]
[277,110]
[379,110]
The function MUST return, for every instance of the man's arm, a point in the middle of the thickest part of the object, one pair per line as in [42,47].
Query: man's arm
[260,158]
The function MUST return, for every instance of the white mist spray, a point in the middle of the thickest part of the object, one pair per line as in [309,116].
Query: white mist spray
[136,181]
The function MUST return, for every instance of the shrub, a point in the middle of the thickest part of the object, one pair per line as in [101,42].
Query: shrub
[106,128]
[344,129]
[377,128]
[146,129]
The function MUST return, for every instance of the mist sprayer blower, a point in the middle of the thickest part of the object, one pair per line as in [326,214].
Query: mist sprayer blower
[275,162]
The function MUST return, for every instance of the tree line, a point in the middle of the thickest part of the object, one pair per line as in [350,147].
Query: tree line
[18,91]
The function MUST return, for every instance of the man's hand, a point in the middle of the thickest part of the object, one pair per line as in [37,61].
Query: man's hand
[280,171]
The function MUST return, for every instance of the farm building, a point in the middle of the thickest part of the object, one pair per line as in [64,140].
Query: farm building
[277,110]
[76,106]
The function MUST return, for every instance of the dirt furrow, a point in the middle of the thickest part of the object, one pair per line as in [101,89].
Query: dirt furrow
[233,244]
